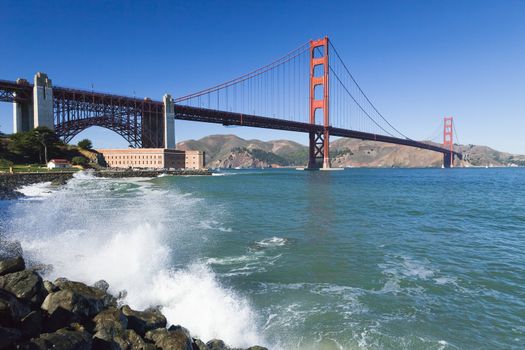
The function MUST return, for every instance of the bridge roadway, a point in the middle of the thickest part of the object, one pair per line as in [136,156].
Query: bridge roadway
[190,113]
[230,118]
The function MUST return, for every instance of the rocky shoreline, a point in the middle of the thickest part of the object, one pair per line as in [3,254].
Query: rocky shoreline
[38,314]
[9,183]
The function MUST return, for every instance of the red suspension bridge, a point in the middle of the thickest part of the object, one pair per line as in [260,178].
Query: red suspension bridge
[309,90]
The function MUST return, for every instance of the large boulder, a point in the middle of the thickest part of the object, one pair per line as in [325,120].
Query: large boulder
[12,310]
[110,330]
[25,285]
[176,338]
[31,324]
[217,344]
[11,265]
[62,339]
[8,337]
[136,342]
[74,302]
[90,292]
[144,321]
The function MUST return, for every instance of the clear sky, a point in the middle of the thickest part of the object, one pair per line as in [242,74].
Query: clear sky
[417,60]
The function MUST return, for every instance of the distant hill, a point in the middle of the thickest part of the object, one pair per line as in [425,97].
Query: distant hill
[230,151]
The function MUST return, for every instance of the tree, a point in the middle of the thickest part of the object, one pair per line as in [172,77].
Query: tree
[85,144]
[46,138]
[35,144]
[79,161]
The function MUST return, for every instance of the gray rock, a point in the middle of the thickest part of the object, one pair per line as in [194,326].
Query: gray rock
[50,287]
[11,265]
[217,344]
[199,345]
[12,310]
[175,339]
[102,285]
[25,285]
[8,337]
[62,339]
[144,321]
[257,347]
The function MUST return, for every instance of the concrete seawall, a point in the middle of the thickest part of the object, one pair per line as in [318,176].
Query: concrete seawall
[150,173]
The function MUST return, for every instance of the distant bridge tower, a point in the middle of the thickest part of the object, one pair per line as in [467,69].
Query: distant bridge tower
[319,148]
[448,142]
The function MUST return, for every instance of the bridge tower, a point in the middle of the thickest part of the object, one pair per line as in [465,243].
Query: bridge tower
[319,145]
[43,102]
[448,142]
[169,121]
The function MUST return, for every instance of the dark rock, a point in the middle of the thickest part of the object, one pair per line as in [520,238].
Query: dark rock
[136,342]
[12,310]
[102,285]
[25,285]
[62,339]
[257,347]
[110,329]
[143,321]
[31,325]
[8,337]
[74,302]
[175,339]
[217,344]
[87,291]
[199,345]
[11,265]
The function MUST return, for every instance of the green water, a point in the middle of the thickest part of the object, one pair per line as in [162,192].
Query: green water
[354,259]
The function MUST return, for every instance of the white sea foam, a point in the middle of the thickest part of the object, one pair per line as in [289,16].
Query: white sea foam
[91,230]
[272,242]
[36,191]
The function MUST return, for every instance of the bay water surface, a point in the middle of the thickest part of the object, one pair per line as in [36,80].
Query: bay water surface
[353,259]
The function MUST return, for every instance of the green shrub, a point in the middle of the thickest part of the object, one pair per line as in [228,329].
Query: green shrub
[4,163]
[79,161]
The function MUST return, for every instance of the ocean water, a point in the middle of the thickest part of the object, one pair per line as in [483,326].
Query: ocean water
[354,259]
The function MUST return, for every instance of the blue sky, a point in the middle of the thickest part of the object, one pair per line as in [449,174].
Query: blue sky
[417,60]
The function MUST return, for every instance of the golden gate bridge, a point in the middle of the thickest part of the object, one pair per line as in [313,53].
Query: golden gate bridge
[309,90]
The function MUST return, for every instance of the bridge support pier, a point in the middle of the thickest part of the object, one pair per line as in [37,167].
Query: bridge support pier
[319,150]
[169,121]
[22,116]
[448,160]
[43,102]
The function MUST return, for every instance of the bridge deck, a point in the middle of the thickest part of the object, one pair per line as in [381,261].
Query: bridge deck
[182,112]
[230,118]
